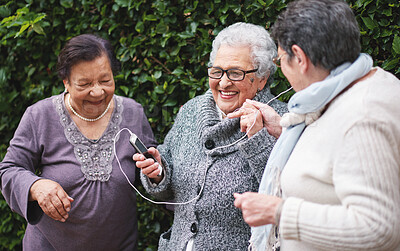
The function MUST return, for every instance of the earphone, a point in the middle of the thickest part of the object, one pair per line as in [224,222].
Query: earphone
[204,176]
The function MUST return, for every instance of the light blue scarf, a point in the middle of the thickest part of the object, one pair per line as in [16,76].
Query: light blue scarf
[310,100]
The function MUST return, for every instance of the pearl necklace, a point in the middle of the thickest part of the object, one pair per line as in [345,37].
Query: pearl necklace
[86,119]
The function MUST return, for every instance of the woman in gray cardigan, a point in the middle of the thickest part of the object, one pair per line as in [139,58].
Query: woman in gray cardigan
[207,157]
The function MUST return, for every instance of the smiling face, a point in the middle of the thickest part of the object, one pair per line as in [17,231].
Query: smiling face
[91,86]
[230,95]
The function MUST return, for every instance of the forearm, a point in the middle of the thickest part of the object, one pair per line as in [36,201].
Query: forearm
[15,187]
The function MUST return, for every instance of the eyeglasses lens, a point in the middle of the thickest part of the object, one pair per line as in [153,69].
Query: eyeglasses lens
[233,74]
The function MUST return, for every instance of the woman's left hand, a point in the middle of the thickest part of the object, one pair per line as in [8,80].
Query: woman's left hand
[251,120]
[257,209]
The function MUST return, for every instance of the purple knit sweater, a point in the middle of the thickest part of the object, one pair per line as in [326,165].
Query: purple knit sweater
[47,141]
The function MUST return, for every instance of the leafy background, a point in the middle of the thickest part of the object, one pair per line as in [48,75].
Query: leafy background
[163,46]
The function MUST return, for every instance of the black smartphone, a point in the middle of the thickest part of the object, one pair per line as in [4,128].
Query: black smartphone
[141,148]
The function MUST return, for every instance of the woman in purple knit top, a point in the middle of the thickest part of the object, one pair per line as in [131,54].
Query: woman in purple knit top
[60,173]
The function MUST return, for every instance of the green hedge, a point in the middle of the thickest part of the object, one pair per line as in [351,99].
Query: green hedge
[163,46]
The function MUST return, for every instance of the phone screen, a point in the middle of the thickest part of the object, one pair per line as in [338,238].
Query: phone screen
[140,147]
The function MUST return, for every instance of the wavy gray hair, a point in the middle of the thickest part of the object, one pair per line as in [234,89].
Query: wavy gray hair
[262,47]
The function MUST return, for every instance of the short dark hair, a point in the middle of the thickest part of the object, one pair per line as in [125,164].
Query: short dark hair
[326,30]
[85,47]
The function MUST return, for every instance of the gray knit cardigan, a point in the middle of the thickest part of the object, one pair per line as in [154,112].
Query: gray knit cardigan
[191,158]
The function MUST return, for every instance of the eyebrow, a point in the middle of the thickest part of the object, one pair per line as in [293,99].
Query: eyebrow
[231,67]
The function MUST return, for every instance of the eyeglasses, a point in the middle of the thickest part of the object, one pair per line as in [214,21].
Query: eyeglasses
[277,60]
[233,74]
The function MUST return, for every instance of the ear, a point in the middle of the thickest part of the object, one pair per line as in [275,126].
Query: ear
[302,60]
[66,85]
[262,82]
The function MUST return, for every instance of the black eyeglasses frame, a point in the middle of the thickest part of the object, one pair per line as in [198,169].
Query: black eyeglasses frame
[227,73]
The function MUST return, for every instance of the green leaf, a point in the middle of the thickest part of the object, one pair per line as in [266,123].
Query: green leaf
[67,3]
[139,27]
[185,35]
[157,74]
[369,22]
[150,18]
[178,71]
[22,29]
[125,89]
[391,64]
[39,17]
[38,29]
[396,44]
[122,3]
[147,62]
[170,102]
[159,89]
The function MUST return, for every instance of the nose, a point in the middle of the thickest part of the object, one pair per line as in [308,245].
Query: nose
[96,90]
[225,81]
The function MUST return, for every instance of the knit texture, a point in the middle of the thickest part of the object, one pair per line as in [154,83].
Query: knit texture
[342,180]
[237,168]
[309,100]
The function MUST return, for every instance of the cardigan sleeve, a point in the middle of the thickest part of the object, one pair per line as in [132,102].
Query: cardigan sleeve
[17,170]
[162,190]
[367,182]
[256,150]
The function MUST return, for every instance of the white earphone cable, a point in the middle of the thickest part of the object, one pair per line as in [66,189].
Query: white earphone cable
[204,179]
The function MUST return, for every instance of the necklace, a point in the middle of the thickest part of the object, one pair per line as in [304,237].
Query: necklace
[86,119]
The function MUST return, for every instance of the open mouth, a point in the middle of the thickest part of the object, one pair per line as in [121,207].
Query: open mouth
[227,94]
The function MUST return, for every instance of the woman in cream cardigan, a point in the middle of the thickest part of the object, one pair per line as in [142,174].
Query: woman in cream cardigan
[340,153]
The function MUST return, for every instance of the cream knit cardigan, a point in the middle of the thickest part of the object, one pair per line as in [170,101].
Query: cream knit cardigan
[342,181]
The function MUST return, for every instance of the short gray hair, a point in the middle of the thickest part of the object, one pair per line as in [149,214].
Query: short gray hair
[326,30]
[262,47]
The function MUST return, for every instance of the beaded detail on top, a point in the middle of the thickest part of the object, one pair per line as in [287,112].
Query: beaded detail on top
[95,156]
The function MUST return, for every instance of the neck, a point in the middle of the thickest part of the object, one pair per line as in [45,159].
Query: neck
[314,75]
[68,100]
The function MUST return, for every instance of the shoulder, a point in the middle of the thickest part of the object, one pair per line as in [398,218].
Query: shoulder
[375,98]
[128,102]
[46,107]
[192,106]
[378,91]
[129,106]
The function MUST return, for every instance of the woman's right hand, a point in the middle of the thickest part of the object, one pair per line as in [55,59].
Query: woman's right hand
[52,198]
[271,119]
[148,166]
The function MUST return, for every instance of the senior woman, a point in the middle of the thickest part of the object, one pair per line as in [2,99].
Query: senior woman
[59,172]
[341,178]
[203,161]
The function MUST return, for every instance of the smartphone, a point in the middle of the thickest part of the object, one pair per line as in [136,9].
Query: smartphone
[141,148]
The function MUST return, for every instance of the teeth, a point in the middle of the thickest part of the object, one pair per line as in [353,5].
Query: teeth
[228,93]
